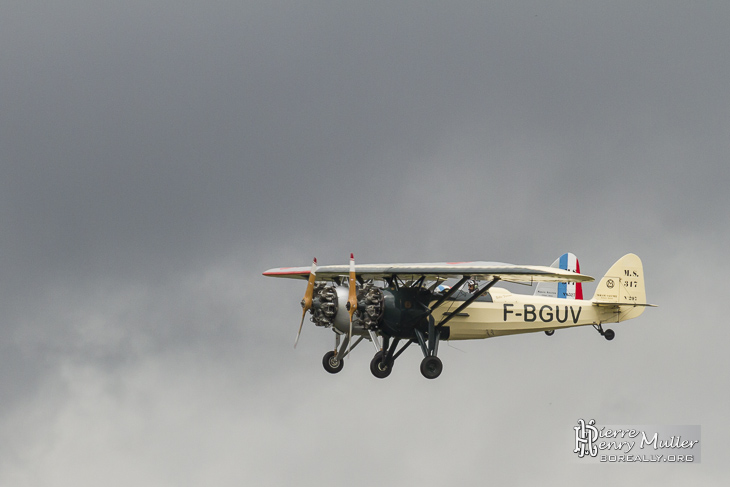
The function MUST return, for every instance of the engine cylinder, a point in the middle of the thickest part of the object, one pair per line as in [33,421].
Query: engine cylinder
[370,306]
[324,305]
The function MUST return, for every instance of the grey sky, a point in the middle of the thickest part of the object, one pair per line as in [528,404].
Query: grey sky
[156,157]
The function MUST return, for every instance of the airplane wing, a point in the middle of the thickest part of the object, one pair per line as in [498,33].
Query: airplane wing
[433,271]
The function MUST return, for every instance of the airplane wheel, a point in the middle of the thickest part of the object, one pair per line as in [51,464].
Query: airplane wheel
[331,363]
[380,370]
[549,332]
[609,334]
[431,367]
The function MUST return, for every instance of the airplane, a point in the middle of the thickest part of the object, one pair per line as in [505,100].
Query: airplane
[412,304]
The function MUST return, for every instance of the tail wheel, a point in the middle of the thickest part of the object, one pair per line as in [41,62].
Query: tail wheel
[331,363]
[378,368]
[431,367]
[549,332]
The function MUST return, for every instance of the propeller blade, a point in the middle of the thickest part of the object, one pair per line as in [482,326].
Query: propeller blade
[301,323]
[352,298]
[307,301]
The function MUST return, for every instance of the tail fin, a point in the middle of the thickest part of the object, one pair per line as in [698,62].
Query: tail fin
[623,284]
[566,290]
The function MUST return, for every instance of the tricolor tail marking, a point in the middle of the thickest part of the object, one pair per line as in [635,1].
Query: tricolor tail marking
[570,290]
[564,290]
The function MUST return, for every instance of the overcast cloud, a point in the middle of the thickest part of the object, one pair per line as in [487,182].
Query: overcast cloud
[157,156]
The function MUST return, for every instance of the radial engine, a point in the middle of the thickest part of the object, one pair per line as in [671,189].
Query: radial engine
[328,308]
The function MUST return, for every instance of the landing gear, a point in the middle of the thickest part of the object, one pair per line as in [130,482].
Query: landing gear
[608,334]
[382,363]
[549,332]
[332,363]
[381,367]
[431,367]
[334,360]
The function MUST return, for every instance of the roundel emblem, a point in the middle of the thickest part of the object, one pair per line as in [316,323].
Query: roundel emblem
[609,284]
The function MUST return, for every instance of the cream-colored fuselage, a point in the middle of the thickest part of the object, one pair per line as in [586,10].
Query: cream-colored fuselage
[510,314]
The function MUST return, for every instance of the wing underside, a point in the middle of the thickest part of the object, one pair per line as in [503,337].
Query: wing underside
[435,271]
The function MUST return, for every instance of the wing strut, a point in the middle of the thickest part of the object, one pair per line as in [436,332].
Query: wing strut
[466,303]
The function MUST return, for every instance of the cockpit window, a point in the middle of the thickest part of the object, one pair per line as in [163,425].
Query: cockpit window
[463,296]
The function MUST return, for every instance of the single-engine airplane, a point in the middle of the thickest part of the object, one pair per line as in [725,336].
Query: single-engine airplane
[412,304]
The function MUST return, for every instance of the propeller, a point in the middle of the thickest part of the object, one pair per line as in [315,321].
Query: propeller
[352,298]
[307,301]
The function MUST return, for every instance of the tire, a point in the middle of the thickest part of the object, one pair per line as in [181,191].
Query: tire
[331,364]
[431,367]
[609,334]
[378,369]
[549,332]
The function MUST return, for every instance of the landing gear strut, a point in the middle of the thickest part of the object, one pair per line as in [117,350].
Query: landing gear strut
[334,360]
[608,334]
[431,365]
